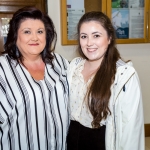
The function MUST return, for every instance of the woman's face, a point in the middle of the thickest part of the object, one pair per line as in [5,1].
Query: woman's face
[31,37]
[94,40]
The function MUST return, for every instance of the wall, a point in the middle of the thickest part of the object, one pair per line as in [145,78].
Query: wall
[138,53]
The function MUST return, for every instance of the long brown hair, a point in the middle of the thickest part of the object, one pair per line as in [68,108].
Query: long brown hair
[99,92]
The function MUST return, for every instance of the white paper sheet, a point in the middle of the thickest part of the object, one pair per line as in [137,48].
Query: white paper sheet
[76,4]
[136,27]
[136,3]
[73,18]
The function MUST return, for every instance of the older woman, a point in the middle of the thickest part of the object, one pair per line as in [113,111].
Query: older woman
[33,85]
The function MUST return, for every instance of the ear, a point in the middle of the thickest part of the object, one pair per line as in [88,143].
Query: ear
[109,40]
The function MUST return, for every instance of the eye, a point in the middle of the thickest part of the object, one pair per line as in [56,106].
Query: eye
[40,31]
[83,36]
[96,35]
[27,32]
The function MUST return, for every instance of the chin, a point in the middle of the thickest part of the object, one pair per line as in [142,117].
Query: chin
[92,59]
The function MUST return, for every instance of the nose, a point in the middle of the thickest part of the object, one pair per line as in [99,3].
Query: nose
[34,37]
[90,41]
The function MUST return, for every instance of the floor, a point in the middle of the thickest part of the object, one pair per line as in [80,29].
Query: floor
[147,143]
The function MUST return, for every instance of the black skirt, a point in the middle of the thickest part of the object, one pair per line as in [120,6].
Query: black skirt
[84,138]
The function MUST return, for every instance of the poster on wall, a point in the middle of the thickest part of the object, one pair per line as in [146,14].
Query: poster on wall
[73,16]
[136,23]
[136,3]
[75,9]
[120,21]
[119,3]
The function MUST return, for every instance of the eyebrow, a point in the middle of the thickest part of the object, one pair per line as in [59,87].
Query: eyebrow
[26,28]
[96,32]
[30,29]
[92,33]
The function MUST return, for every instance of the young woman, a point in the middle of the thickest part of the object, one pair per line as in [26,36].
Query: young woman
[105,94]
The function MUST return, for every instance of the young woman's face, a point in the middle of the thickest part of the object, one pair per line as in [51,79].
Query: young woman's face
[31,37]
[93,40]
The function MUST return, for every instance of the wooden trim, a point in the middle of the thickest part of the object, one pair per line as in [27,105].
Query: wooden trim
[64,38]
[13,6]
[147,130]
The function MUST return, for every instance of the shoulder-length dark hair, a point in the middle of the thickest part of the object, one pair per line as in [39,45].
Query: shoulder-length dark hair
[99,92]
[19,16]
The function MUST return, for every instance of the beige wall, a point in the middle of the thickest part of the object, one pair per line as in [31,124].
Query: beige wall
[138,53]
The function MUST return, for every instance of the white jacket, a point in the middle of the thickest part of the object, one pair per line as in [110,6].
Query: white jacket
[125,125]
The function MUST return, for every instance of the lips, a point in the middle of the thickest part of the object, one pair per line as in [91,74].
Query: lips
[91,49]
[34,44]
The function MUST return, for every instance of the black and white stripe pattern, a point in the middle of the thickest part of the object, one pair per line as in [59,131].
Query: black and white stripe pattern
[34,114]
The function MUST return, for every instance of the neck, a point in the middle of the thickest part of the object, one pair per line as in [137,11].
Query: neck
[32,60]
[92,65]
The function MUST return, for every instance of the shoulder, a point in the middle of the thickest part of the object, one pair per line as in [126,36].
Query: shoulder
[58,56]
[123,67]
[73,65]
[76,61]
[59,60]
[5,60]
[2,58]
[125,72]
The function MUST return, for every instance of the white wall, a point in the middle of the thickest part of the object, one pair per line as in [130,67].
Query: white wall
[138,53]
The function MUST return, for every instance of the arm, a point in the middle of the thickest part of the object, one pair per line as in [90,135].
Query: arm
[2,101]
[132,116]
